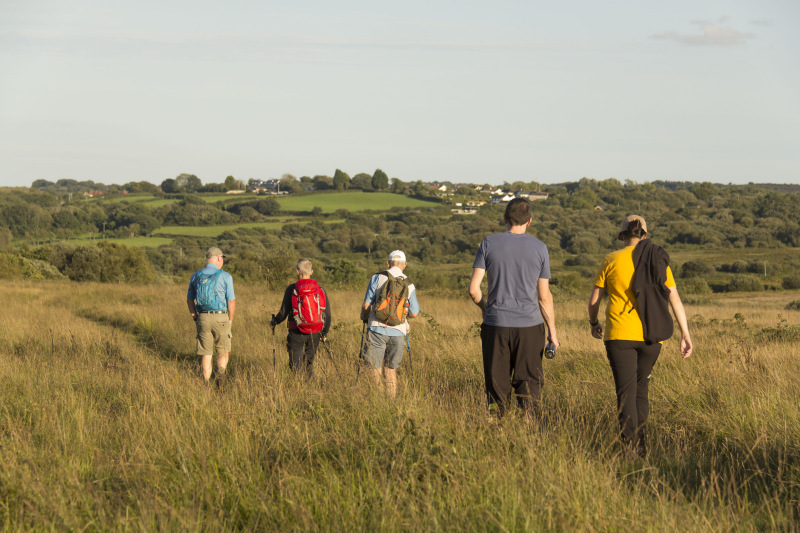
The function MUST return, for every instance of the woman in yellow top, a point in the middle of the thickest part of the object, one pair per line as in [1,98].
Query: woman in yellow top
[631,358]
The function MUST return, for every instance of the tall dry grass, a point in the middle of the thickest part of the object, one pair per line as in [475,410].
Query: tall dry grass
[104,424]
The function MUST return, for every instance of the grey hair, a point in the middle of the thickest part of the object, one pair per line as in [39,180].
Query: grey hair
[397,264]
[304,267]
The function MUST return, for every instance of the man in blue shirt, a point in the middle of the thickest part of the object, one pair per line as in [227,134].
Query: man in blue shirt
[385,343]
[518,306]
[212,305]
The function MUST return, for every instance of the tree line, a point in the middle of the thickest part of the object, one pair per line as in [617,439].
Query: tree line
[578,221]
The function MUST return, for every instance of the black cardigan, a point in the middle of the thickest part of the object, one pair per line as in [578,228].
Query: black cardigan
[650,263]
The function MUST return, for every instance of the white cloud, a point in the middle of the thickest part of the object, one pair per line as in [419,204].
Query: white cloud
[709,34]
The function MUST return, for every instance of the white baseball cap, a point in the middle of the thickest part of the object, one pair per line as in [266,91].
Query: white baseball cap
[397,255]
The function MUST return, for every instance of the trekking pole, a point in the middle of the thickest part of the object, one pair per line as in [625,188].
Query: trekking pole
[274,362]
[361,351]
[410,361]
[305,355]
[325,344]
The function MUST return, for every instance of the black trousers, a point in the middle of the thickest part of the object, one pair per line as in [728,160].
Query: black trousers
[512,357]
[632,363]
[302,348]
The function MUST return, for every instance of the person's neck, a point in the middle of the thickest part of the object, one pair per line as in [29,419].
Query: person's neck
[305,277]
[633,241]
[519,230]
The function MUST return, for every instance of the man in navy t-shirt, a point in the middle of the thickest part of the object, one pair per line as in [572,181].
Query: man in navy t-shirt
[516,310]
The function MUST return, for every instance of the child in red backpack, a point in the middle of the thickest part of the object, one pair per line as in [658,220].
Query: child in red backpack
[306,306]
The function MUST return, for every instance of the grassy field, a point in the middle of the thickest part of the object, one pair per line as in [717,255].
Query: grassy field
[329,201]
[104,424]
[144,242]
[350,200]
[215,231]
[150,200]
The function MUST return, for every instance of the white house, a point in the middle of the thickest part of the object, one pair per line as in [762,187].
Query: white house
[502,198]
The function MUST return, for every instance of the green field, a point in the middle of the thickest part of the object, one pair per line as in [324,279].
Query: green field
[147,199]
[328,201]
[212,198]
[144,242]
[216,231]
[132,198]
[213,231]
[350,200]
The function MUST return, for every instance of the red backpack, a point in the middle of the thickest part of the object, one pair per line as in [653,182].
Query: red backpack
[308,306]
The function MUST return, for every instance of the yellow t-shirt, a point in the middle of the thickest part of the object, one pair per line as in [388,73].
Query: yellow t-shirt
[615,275]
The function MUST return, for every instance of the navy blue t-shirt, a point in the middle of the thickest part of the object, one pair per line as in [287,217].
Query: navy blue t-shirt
[514,263]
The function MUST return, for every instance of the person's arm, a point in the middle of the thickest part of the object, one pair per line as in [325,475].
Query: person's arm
[231,310]
[365,311]
[548,310]
[594,311]
[475,289]
[372,288]
[286,307]
[190,296]
[413,305]
[327,327]
[680,316]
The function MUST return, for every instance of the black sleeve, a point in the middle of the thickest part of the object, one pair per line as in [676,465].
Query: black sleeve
[286,306]
[327,327]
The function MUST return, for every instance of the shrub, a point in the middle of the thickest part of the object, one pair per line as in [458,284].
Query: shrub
[581,260]
[791,282]
[695,286]
[570,283]
[744,284]
[345,273]
[695,269]
[793,306]
[106,262]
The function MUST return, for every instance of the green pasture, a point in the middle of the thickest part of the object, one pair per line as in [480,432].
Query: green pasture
[350,200]
[132,198]
[213,231]
[139,242]
[212,198]
[327,201]
[216,231]
[147,199]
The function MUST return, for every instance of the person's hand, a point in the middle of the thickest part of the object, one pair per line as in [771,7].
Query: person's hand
[597,330]
[553,339]
[323,338]
[272,323]
[686,346]
[194,316]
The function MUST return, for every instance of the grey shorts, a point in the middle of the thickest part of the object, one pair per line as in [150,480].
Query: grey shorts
[213,331]
[383,351]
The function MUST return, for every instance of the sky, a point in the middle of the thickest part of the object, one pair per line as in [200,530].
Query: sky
[434,90]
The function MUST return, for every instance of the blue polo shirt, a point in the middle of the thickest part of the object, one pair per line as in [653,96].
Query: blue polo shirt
[223,289]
